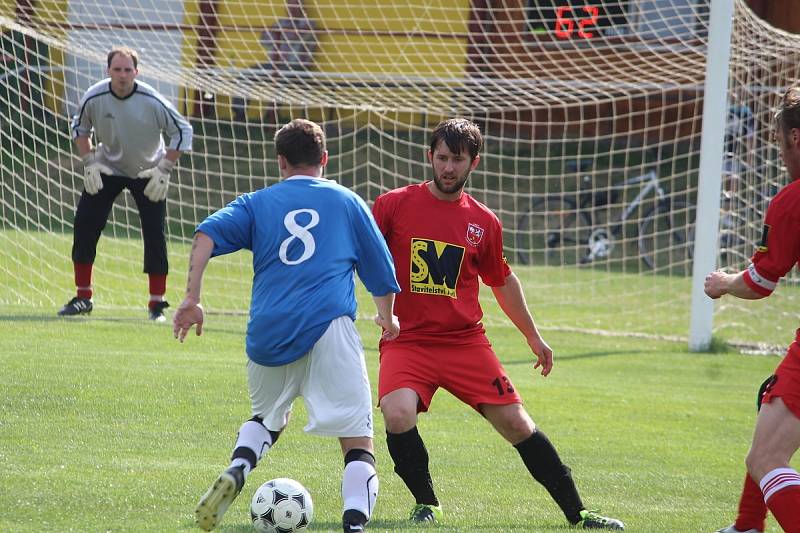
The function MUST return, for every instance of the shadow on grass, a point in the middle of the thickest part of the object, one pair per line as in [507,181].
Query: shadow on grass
[30,318]
[575,357]
[386,526]
[375,526]
[119,320]
[76,319]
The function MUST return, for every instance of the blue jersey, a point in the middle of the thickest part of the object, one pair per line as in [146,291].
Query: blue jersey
[307,235]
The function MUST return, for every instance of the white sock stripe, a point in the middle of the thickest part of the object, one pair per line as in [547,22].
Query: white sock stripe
[776,472]
[768,493]
[777,480]
[780,478]
[776,477]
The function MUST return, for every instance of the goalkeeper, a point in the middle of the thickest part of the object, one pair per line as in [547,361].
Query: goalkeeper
[118,131]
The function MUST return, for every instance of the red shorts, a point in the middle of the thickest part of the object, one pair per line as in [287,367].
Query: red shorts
[786,384]
[470,372]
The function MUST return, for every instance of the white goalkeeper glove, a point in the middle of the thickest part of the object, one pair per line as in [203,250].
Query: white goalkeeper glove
[156,190]
[92,168]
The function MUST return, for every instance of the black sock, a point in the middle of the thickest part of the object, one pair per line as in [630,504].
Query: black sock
[545,466]
[411,464]
[351,516]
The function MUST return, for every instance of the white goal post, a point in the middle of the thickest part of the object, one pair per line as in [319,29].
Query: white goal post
[710,180]
[601,140]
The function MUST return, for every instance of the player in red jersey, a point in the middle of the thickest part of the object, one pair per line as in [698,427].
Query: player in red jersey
[442,241]
[770,481]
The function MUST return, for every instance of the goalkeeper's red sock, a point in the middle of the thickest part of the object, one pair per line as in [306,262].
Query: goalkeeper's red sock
[781,488]
[752,509]
[158,288]
[83,279]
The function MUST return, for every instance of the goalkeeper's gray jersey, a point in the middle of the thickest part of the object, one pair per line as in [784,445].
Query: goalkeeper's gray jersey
[128,131]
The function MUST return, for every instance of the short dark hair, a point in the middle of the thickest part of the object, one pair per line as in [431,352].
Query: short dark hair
[125,51]
[458,134]
[301,142]
[788,115]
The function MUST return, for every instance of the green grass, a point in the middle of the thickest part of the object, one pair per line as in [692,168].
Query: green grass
[109,424]
[36,272]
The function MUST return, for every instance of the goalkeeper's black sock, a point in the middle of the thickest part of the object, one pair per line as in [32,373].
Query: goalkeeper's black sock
[544,464]
[411,463]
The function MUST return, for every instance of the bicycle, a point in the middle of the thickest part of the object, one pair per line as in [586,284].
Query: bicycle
[582,226]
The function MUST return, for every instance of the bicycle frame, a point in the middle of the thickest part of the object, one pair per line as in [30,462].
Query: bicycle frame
[586,224]
[601,238]
[651,183]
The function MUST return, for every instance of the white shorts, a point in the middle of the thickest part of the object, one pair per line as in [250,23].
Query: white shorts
[331,378]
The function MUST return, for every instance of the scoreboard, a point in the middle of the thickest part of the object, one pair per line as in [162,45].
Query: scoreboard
[577,19]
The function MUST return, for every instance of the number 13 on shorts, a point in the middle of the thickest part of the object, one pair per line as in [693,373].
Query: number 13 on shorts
[503,385]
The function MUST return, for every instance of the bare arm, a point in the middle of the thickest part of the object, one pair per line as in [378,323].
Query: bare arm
[84,145]
[172,155]
[190,312]
[512,301]
[385,317]
[718,284]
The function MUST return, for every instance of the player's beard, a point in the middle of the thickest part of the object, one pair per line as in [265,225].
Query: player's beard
[450,189]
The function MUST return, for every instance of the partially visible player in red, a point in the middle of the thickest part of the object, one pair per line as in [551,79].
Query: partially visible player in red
[770,480]
[442,241]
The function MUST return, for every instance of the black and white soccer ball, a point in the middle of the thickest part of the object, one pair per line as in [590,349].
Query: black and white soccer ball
[281,505]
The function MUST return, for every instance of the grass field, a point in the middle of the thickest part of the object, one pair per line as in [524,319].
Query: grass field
[109,424]
[36,272]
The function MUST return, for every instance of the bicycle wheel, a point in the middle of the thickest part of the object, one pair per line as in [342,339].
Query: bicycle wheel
[552,232]
[666,237]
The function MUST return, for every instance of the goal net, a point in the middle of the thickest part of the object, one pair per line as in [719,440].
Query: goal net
[591,112]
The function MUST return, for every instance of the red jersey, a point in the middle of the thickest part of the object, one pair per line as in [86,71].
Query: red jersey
[779,249]
[440,248]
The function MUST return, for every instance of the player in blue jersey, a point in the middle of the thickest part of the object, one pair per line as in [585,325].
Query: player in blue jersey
[308,235]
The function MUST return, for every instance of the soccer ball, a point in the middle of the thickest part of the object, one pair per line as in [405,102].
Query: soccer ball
[281,506]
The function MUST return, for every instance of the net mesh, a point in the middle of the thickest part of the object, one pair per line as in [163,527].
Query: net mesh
[591,112]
